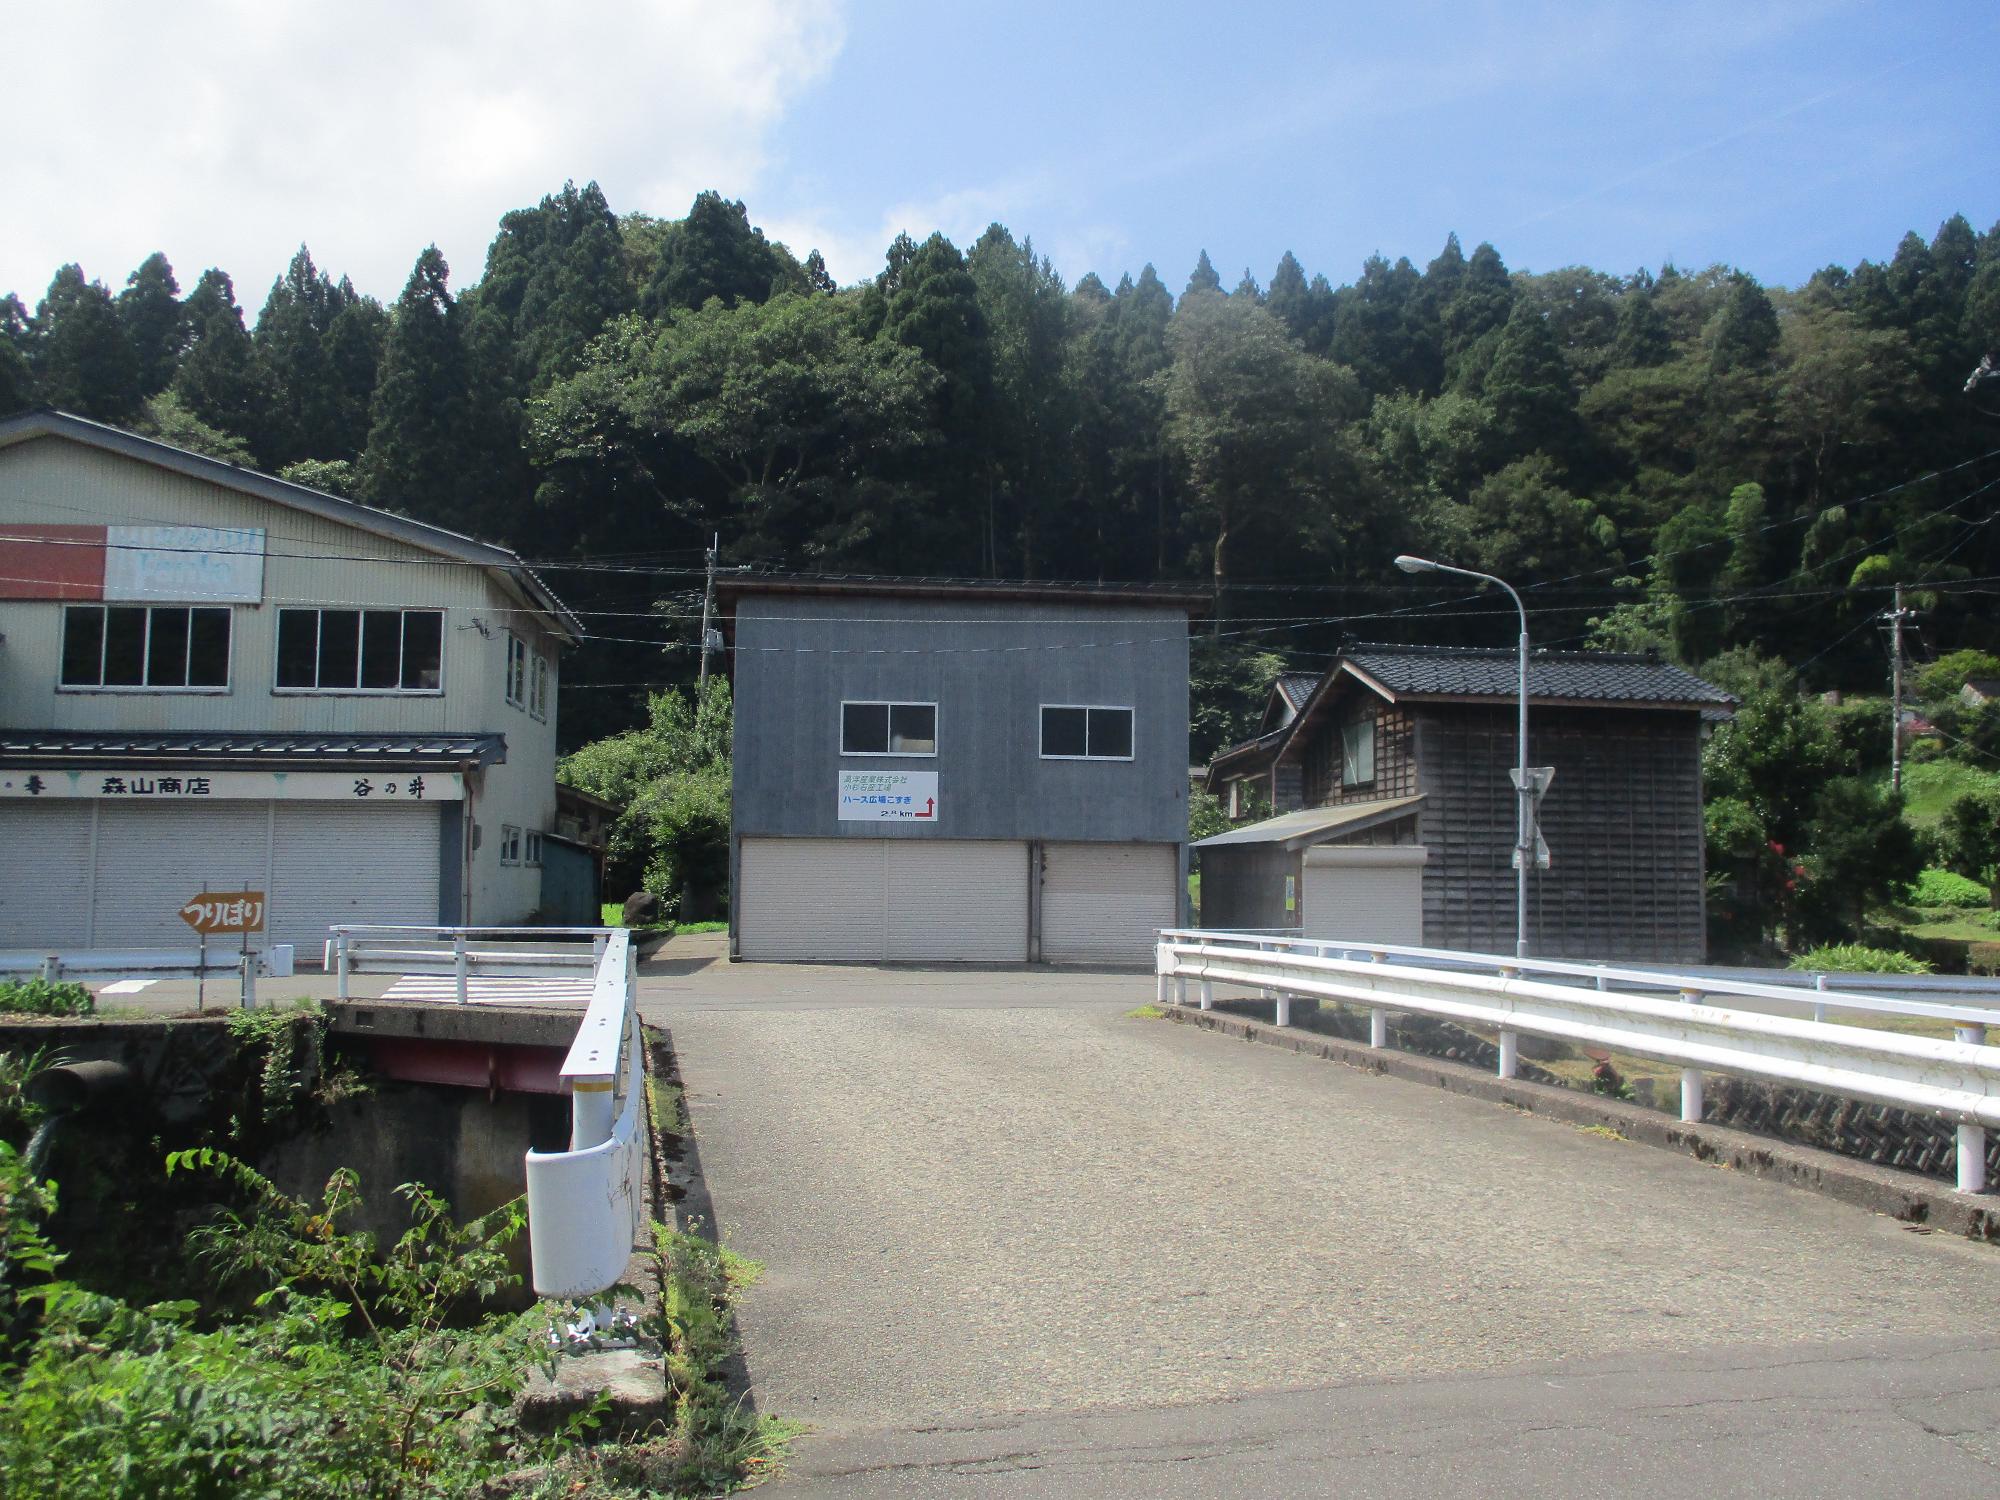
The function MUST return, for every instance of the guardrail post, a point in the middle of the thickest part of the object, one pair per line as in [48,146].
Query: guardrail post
[1510,1053]
[1691,1080]
[1378,1027]
[1971,1138]
[1284,1013]
[249,981]
[1207,994]
[597,943]
[458,964]
[340,960]
[51,968]
[1819,1006]
[592,1108]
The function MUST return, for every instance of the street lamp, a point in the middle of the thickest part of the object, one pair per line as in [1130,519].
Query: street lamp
[1524,794]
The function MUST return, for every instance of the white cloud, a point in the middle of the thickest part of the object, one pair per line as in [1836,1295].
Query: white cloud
[225,132]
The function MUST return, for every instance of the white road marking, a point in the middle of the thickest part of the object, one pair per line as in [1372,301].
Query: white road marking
[127,986]
[443,989]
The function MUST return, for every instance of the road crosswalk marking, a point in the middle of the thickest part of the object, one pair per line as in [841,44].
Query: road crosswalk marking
[443,989]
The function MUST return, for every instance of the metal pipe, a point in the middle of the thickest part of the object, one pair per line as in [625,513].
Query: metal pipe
[67,1088]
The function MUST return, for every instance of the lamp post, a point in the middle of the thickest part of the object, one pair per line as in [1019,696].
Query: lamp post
[1524,852]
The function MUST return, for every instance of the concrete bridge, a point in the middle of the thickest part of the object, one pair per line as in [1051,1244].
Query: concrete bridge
[1019,1241]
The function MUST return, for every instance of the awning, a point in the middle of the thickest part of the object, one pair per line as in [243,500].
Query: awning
[218,750]
[1315,825]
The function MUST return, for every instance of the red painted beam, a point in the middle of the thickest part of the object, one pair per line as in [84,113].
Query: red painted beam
[472,1065]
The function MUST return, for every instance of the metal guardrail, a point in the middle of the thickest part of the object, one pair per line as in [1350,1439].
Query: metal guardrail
[464,952]
[584,1203]
[108,965]
[1957,1080]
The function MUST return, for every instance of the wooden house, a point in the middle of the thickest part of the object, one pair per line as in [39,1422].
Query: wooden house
[1394,813]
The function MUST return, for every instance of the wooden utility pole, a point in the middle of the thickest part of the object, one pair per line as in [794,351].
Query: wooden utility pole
[707,605]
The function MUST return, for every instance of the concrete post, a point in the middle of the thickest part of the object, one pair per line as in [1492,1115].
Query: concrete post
[1971,1138]
[1691,1096]
[1510,1054]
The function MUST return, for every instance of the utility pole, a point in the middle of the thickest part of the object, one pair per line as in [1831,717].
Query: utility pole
[707,605]
[1896,616]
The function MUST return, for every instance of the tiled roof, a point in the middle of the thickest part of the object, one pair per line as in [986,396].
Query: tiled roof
[1315,825]
[1297,687]
[226,748]
[1578,676]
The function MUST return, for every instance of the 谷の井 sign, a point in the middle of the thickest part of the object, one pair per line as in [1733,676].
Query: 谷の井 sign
[225,911]
[888,796]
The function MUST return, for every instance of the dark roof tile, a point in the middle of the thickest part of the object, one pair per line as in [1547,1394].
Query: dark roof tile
[1593,676]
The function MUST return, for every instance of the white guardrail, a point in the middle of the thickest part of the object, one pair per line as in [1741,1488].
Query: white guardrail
[463,952]
[107,965]
[1679,1023]
[584,1203]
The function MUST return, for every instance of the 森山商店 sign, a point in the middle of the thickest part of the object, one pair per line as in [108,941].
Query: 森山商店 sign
[151,784]
[888,796]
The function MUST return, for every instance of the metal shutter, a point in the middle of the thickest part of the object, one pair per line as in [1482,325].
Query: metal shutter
[1364,895]
[151,860]
[350,862]
[1105,903]
[961,901]
[45,876]
[811,899]
[871,900]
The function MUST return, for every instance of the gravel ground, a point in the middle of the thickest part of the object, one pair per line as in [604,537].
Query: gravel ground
[973,1207]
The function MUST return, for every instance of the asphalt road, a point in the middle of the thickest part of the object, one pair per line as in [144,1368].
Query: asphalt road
[1017,1242]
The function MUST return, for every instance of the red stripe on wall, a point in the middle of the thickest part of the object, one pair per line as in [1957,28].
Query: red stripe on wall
[51,562]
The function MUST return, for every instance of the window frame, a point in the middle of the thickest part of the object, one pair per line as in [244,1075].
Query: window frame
[513,682]
[889,707]
[1356,750]
[539,673]
[531,848]
[510,839]
[319,612]
[1131,730]
[104,608]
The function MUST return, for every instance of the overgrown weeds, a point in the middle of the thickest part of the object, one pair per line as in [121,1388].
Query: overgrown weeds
[45,997]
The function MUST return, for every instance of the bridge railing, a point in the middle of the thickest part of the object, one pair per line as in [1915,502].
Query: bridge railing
[1675,1021]
[584,1204]
[100,965]
[464,952]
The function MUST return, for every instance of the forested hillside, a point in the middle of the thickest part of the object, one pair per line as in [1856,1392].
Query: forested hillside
[1674,457]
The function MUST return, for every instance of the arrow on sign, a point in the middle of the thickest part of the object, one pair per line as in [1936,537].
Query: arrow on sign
[930,808]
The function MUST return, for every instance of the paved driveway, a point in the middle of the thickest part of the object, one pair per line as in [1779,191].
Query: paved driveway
[991,1203]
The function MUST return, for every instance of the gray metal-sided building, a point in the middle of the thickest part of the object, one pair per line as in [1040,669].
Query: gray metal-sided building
[1394,812]
[956,772]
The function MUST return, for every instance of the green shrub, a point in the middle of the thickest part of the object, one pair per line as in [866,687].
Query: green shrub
[1942,888]
[1858,958]
[42,997]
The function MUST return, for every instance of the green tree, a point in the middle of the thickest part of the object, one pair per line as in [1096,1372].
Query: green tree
[1203,277]
[17,380]
[166,418]
[81,356]
[217,380]
[713,252]
[1481,301]
[1862,854]
[1745,333]
[1641,340]
[418,456]
[1529,388]
[555,275]
[155,322]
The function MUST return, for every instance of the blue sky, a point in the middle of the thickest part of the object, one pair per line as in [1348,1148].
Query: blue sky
[1777,137]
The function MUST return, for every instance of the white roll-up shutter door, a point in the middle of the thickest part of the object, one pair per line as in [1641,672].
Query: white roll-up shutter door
[1105,903]
[876,900]
[153,859]
[1365,894]
[811,899]
[348,862]
[45,875]
[964,901]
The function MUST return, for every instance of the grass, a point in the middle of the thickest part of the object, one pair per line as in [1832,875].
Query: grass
[1146,1012]
[1931,786]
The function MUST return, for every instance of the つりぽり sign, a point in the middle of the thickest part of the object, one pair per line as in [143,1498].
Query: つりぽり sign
[215,912]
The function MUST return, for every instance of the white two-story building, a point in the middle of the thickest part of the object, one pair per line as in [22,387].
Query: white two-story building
[214,680]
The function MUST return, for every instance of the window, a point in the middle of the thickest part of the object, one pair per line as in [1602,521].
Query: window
[888,729]
[517,670]
[510,844]
[1357,752]
[142,646]
[534,847]
[1080,732]
[360,650]
[538,688]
